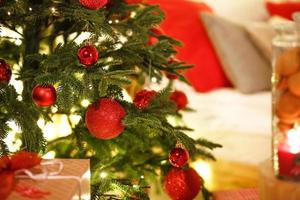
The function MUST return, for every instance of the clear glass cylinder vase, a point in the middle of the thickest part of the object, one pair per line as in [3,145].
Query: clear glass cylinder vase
[286,102]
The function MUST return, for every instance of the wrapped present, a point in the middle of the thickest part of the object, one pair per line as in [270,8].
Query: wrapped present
[26,176]
[242,194]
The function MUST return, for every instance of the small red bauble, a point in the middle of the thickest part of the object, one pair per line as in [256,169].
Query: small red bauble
[143,98]
[104,118]
[178,157]
[5,72]
[182,184]
[93,4]
[88,55]
[180,99]
[44,95]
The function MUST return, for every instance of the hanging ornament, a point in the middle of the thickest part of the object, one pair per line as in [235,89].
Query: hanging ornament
[180,99]
[5,72]
[182,184]
[104,118]
[93,4]
[44,95]
[143,98]
[88,55]
[178,157]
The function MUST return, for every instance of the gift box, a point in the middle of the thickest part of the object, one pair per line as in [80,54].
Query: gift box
[242,194]
[66,179]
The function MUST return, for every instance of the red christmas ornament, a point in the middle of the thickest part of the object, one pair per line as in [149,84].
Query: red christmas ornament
[104,119]
[5,72]
[180,99]
[178,157]
[88,55]
[93,4]
[44,95]
[143,98]
[134,1]
[182,184]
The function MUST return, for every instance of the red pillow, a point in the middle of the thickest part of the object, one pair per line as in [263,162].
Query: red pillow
[183,23]
[285,9]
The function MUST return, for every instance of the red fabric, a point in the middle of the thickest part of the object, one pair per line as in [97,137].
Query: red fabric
[183,23]
[285,9]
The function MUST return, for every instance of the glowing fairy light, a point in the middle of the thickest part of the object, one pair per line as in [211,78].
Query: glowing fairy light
[85,103]
[103,175]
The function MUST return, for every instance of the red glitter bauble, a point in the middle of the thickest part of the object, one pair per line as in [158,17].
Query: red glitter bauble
[104,118]
[44,95]
[93,4]
[143,98]
[88,55]
[180,99]
[182,184]
[5,72]
[178,157]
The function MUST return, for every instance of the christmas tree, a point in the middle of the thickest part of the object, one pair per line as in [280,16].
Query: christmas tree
[66,52]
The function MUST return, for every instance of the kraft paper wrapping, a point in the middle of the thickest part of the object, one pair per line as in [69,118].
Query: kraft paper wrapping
[63,189]
[242,194]
[272,188]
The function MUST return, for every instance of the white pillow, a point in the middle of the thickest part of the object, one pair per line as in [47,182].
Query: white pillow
[239,10]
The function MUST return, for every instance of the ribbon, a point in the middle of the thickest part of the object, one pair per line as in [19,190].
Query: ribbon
[18,167]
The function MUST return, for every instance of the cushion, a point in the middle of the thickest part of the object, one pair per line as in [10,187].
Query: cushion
[242,62]
[183,23]
[284,9]
[261,34]
[239,10]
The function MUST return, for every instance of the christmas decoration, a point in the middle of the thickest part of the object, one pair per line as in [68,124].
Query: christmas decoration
[26,175]
[178,157]
[44,95]
[8,165]
[93,52]
[104,119]
[88,55]
[93,4]
[5,72]
[180,99]
[143,98]
[182,184]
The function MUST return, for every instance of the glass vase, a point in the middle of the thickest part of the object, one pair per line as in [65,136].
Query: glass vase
[286,102]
